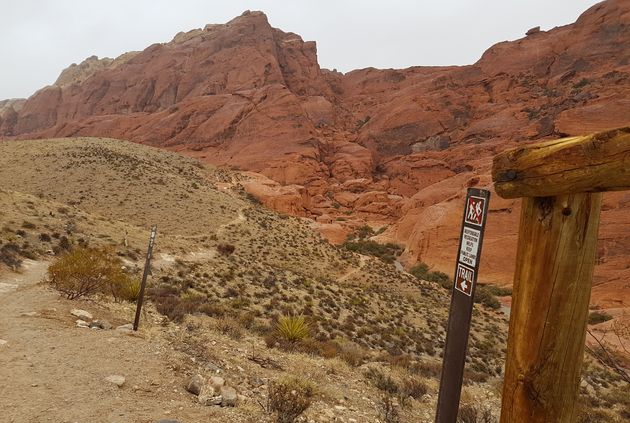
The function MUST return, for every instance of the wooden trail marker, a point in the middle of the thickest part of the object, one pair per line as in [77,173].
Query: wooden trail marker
[147,268]
[466,269]
[562,181]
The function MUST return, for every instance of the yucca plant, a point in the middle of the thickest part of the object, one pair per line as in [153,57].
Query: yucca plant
[292,328]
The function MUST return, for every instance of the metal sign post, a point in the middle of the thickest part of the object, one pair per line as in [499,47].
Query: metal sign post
[147,268]
[466,269]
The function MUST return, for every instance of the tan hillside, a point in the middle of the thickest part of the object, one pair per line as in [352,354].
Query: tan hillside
[225,270]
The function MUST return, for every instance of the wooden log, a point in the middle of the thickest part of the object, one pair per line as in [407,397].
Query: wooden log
[552,287]
[591,163]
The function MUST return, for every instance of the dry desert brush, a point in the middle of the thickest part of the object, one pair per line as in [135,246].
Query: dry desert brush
[85,271]
[289,398]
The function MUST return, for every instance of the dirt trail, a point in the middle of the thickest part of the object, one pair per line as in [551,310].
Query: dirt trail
[52,370]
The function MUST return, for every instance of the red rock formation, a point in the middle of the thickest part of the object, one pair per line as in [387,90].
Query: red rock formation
[394,147]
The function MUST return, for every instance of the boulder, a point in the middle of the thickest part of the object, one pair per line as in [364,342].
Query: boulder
[81,314]
[195,384]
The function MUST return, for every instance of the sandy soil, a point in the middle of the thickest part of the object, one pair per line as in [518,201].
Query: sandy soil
[52,370]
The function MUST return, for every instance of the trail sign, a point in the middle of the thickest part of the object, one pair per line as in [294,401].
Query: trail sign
[147,268]
[466,270]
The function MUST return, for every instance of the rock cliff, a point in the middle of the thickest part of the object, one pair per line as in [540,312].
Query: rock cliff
[392,147]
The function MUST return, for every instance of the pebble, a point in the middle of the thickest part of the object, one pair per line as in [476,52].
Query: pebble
[101,324]
[117,380]
[81,314]
[82,324]
[3,342]
[127,327]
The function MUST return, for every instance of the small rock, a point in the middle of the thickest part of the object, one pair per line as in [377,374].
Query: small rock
[101,324]
[29,314]
[209,396]
[195,384]
[217,381]
[213,367]
[3,342]
[117,380]
[229,396]
[81,314]
[82,324]
[127,327]
[533,30]
[168,421]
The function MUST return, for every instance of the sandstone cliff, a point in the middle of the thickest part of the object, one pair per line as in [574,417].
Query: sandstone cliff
[390,147]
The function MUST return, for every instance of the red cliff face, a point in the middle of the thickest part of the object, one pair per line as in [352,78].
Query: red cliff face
[391,147]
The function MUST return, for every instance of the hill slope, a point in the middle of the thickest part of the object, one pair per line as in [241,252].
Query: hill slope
[394,147]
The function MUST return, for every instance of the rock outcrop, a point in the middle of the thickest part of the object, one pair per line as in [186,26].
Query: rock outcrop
[390,147]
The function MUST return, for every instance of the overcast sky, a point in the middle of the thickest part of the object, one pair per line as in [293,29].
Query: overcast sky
[39,38]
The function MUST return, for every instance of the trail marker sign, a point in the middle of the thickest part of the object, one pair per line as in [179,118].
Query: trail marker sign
[466,270]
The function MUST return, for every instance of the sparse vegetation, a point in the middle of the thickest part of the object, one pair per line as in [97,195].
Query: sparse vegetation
[292,329]
[86,271]
[289,398]
[386,252]
[596,317]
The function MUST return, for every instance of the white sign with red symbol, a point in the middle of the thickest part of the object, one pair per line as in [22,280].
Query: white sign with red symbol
[469,246]
[474,210]
[464,279]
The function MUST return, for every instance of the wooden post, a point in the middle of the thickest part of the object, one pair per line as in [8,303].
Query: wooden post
[145,274]
[552,288]
[562,182]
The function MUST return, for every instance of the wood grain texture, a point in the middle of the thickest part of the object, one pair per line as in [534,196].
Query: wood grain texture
[591,163]
[552,286]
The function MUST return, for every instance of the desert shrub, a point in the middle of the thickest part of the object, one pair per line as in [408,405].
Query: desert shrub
[421,271]
[63,245]
[469,413]
[10,255]
[596,317]
[485,297]
[292,329]
[499,291]
[352,354]
[382,381]
[44,237]
[28,225]
[289,398]
[252,199]
[225,249]
[85,271]
[175,307]
[386,252]
[230,327]
[387,410]
[413,387]
[427,369]
[126,288]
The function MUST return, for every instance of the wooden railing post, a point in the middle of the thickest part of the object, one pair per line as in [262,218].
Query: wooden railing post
[552,288]
[561,182]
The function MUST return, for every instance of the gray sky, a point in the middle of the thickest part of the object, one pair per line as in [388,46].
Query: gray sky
[39,38]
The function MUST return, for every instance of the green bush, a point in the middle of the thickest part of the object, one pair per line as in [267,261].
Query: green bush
[292,329]
[386,252]
[598,317]
[85,271]
[421,271]
[484,296]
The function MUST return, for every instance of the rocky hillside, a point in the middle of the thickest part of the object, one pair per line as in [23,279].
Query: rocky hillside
[387,147]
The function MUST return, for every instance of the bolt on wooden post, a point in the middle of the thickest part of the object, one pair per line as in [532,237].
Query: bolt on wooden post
[561,183]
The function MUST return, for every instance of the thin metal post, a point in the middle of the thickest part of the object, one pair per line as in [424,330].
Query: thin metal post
[147,268]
